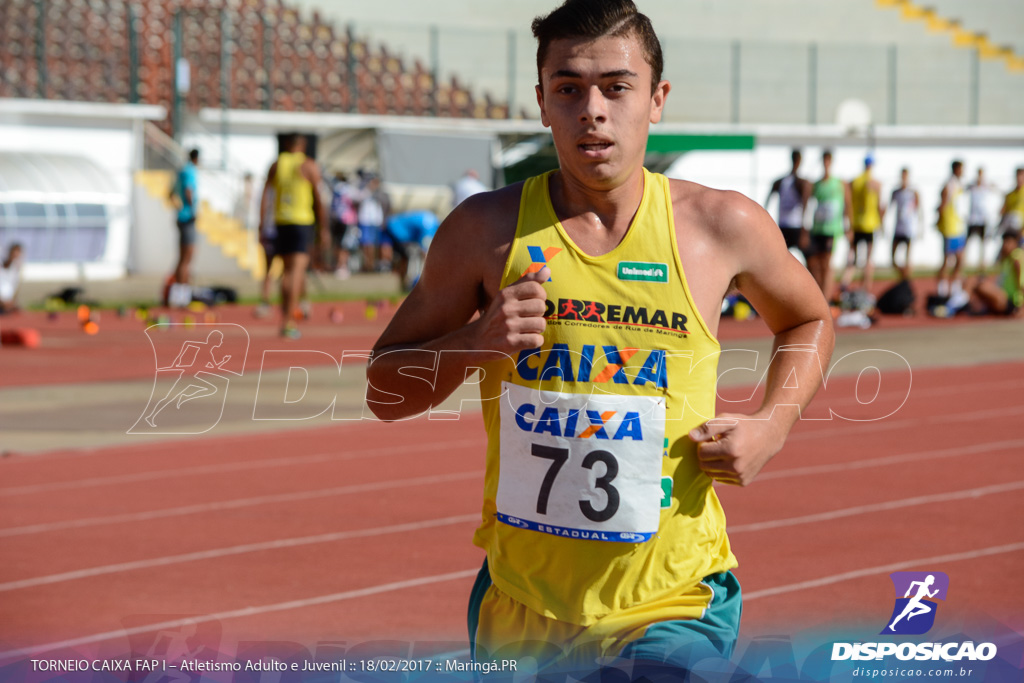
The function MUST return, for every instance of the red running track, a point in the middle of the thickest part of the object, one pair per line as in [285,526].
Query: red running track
[362,531]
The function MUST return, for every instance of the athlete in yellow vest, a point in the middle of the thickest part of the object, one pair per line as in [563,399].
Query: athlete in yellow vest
[1011,217]
[590,299]
[866,213]
[954,235]
[294,181]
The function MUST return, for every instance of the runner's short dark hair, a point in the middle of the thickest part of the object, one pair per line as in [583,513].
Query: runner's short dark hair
[597,19]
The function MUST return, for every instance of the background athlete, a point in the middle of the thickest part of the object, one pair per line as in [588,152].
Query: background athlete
[832,206]
[866,213]
[294,180]
[954,236]
[490,292]
[793,192]
[907,205]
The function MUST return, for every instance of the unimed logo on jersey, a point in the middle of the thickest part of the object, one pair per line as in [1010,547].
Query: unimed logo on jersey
[916,595]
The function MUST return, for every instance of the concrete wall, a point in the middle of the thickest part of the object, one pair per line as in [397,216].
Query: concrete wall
[107,135]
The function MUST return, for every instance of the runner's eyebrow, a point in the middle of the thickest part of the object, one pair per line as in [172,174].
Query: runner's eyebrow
[620,73]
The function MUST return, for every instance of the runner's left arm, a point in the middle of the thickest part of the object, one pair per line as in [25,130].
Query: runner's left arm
[734,447]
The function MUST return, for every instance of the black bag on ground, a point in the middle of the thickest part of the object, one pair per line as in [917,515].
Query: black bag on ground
[898,299]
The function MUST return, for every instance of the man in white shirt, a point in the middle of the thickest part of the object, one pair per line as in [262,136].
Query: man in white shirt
[467,186]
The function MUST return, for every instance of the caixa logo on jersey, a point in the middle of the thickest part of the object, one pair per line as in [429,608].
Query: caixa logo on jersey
[914,613]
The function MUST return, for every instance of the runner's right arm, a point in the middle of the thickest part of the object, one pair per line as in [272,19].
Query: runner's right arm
[457,307]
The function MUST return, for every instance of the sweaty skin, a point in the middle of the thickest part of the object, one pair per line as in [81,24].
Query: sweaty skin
[597,98]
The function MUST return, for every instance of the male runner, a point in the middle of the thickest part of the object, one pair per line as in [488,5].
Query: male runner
[295,180]
[590,298]
[866,212]
[832,199]
[908,205]
[951,225]
[793,192]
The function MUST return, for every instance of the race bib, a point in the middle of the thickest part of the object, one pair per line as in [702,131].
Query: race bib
[581,466]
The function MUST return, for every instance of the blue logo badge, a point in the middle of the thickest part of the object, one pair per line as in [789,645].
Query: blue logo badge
[916,593]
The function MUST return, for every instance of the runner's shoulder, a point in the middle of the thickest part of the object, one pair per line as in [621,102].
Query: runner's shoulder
[722,214]
[484,222]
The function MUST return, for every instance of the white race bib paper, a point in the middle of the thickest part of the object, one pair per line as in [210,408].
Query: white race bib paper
[581,466]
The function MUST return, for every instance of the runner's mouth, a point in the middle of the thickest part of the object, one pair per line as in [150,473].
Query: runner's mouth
[594,146]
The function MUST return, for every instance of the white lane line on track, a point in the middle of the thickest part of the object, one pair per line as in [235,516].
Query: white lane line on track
[876,507]
[399,450]
[246,612]
[214,553]
[840,427]
[466,573]
[239,503]
[884,569]
[931,392]
[972,449]
[901,458]
[239,466]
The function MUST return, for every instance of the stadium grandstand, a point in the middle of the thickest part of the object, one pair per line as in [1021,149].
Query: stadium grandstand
[420,92]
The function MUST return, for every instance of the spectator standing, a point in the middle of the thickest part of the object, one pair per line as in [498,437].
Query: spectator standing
[907,204]
[374,208]
[979,215]
[793,192]
[344,222]
[1011,218]
[954,237]
[832,198]
[467,186]
[10,279]
[866,214]
[186,192]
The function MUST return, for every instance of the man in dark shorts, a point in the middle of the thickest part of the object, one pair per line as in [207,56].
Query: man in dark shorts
[793,192]
[980,195]
[832,206]
[295,180]
[186,192]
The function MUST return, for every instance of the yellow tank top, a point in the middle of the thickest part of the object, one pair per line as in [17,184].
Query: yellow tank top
[1013,207]
[864,205]
[593,499]
[294,200]
[950,222]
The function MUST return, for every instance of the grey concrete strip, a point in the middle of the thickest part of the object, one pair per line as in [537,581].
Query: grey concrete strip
[102,414]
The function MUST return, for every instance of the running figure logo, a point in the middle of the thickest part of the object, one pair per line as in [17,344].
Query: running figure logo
[190,391]
[914,613]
